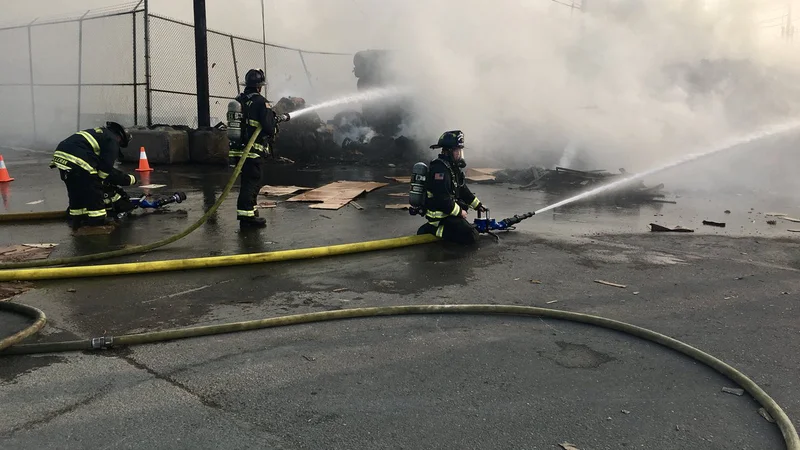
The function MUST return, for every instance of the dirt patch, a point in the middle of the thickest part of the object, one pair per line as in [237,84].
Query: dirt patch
[12,288]
[577,356]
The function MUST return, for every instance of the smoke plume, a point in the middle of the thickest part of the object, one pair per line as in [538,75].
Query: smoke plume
[625,84]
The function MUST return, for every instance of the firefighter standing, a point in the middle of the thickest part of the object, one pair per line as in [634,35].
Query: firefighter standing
[255,112]
[86,164]
[448,196]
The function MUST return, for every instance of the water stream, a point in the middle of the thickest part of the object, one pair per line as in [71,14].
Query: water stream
[731,144]
[366,96]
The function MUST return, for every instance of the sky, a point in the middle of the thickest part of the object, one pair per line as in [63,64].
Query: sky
[297,22]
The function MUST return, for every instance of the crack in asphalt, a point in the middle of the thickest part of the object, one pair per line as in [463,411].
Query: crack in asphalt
[49,417]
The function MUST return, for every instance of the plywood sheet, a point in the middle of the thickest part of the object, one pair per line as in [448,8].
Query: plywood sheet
[400,179]
[336,195]
[95,230]
[26,252]
[330,205]
[278,191]
[479,178]
[480,174]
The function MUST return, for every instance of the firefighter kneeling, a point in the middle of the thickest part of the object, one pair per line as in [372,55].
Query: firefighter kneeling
[86,163]
[446,196]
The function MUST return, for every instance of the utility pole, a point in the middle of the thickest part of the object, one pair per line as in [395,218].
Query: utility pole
[787,31]
[264,35]
[201,64]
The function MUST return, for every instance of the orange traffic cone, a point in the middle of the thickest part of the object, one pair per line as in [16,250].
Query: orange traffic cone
[144,166]
[4,176]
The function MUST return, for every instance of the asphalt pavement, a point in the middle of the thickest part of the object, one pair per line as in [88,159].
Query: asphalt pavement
[411,382]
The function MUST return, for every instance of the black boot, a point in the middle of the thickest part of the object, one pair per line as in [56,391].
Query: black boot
[253,222]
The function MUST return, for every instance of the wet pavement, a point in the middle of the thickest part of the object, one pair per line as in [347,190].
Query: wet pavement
[416,382]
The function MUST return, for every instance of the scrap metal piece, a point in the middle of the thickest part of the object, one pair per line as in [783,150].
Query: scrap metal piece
[608,283]
[733,391]
[660,228]
[714,224]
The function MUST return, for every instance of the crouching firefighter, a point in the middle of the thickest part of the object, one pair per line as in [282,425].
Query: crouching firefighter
[441,194]
[86,163]
[245,114]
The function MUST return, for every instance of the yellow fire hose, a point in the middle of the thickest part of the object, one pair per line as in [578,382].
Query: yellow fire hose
[784,423]
[139,248]
[40,215]
[52,273]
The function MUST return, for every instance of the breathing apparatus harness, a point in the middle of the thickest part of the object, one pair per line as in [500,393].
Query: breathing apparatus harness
[235,117]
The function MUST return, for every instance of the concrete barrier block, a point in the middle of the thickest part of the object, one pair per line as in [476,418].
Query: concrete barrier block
[208,146]
[162,145]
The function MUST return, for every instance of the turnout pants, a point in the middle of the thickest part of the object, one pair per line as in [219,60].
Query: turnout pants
[250,184]
[85,191]
[452,229]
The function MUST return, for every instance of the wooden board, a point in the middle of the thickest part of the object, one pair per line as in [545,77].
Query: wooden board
[278,191]
[478,175]
[335,195]
[400,179]
[487,171]
[26,252]
[398,206]
[95,230]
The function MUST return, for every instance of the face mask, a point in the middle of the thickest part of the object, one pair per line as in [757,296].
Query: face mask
[461,162]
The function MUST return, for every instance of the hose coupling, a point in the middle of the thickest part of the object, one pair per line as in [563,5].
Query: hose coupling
[100,343]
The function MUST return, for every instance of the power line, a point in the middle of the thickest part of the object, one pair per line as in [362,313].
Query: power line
[774,18]
[571,5]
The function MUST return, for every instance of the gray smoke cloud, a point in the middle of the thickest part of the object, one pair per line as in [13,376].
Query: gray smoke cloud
[633,82]
[629,84]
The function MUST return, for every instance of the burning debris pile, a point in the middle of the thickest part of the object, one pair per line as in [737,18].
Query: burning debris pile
[347,138]
[565,181]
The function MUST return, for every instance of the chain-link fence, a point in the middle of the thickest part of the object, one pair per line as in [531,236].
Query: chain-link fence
[290,72]
[61,75]
[137,68]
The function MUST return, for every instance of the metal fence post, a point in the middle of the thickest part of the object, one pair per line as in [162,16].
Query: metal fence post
[235,67]
[30,65]
[135,77]
[147,74]
[264,39]
[80,65]
[305,68]
[201,63]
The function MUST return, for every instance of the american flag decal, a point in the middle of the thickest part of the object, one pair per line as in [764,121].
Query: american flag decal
[438,176]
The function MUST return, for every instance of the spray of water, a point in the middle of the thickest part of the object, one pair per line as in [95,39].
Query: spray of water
[366,96]
[733,143]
